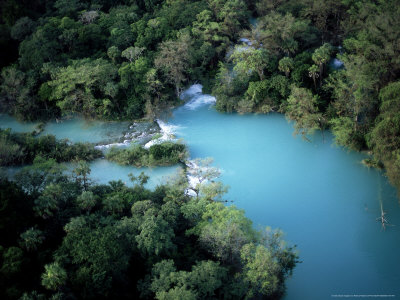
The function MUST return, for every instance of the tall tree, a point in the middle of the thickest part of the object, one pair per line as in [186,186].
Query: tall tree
[82,172]
[279,33]
[313,73]
[321,56]
[223,231]
[49,202]
[286,65]
[211,32]
[173,59]
[302,108]
[32,238]
[54,276]
[250,59]
[326,16]
[384,139]
[16,93]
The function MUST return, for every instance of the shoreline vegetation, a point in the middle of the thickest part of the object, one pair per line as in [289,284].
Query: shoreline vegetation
[64,237]
[160,154]
[18,149]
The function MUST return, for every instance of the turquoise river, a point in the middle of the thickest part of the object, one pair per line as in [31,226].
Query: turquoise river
[319,194]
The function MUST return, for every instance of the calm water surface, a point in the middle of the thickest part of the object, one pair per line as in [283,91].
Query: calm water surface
[103,171]
[74,129]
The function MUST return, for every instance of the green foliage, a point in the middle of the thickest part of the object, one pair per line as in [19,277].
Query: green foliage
[54,276]
[131,156]
[34,295]
[286,65]
[301,62]
[346,134]
[10,153]
[132,53]
[15,93]
[229,88]
[276,36]
[231,14]
[281,34]
[321,56]
[325,15]
[313,73]
[203,282]
[224,231]
[41,46]
[13,258]
[22,28]
[133,78]
[302,108]
[265,6]
[166,153]
[82,171]
[87,200]
[113,53]
[114,204]
[261,270]
[46,205]
[265,265]
[384,139]
[99,251]
[250,59]
[15,211]
[256,94]
[173,60]
[23,148]
[83,87]
[156,236]
[32,239]
[33,179]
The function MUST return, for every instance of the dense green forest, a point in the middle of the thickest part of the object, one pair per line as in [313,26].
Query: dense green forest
[323,63]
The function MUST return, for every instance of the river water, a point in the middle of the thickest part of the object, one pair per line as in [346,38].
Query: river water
[320,195]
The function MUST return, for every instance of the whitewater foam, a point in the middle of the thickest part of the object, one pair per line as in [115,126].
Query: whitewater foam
[167,131]
[200,100]
[125,143]
[194,175]
[193,90]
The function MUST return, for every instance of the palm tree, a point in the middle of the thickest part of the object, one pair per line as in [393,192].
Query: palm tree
[321,57]
[286,65]
[54,276]
[32,238]
[313,73]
